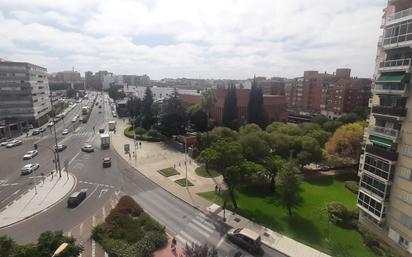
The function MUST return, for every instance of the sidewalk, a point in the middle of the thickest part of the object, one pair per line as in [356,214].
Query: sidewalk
[37,199]
[152,157]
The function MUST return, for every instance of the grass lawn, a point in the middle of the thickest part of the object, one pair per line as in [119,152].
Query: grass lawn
[168,172]
[182,182]
[308,225]
[201,171]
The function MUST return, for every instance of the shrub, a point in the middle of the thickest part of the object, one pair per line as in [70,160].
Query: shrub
[158,238]
[153,133]
[150,224]
[337,213]
[97,233]
[145,247]
[353,186]
[127,205]
[139,131]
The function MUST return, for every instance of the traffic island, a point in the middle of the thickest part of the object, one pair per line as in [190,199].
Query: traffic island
[42,196]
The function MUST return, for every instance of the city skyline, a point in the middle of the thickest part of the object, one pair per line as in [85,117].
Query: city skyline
[230,39]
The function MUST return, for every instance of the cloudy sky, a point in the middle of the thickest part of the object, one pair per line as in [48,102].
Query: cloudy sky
[193,38]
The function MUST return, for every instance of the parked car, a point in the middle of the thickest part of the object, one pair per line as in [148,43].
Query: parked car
[29,168]
[30,154]
[35,132]
[88,148]
[61,147]
[76,198]
[101,131]
[13,143]
[65,132]
[245,238]
[4,143]
[51,123]
[42,129]
[107,162]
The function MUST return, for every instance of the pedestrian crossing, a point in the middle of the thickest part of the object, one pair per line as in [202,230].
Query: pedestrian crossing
[201,225]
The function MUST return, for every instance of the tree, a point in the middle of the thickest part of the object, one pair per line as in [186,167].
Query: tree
[332,125]
[147,115]
[310,151]
[49,241]
[255,149]
[272,166]
[288,186]
[349,118]
[173,117]
[71,93]
[320,119]
[346,141]
[197,117]
[208,138]
[230,114]
[116,93]
[226,156]
[256,112]
[195,250]
[134,105]
[249,128]
[208,104]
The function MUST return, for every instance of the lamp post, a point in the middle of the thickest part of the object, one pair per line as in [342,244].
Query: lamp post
[55,137]
[60,249]
[186,159]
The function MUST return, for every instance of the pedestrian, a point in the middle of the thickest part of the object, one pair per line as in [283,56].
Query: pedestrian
[173,245]
[130,157]
[218,190]
[140,144]
[215,189]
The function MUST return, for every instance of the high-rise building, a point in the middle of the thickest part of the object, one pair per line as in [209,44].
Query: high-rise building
[385,192]
[24,93]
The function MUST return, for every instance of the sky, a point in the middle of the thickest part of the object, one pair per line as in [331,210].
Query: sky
[232,39]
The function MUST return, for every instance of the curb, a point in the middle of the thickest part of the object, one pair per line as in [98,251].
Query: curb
[49,207]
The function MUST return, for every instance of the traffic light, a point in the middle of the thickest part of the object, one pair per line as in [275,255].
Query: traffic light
[35,146]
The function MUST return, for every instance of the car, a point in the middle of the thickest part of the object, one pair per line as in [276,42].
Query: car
[29,168]
[42,129]
[245,238]
[4,143]
[100,111]
[65,132]
[51,123]
[87,148]
[30,154]
[30,126]
[60,147]
[114,114]
[76,198]
[107,162]
[101,131]
[35,132]
[14,143]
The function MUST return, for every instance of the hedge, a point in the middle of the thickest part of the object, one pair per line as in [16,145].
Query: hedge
[128,132]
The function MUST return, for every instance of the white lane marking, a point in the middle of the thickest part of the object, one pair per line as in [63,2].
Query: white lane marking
[93,248]
[74,157]
[205,221]
[86,198]
[208,229]
[106,255]
[81,228]
[220,242]
[199,230]
[104,212]
[189,238]
[69,234]
[10,195]
[102,192]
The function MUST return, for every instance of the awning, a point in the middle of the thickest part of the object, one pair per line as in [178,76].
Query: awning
[380,140]
[391,78]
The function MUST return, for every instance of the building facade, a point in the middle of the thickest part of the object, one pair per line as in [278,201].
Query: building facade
[385,192]
[24,93]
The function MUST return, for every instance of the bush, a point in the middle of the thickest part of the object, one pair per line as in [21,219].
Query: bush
[353,186]
[145,247]
[337,213]
[139,131]
[97,233]
[159,239]
[153,133]
[127,205]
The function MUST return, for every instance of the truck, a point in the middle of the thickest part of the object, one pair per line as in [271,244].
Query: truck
[85,110]
[112,125]
[105,141]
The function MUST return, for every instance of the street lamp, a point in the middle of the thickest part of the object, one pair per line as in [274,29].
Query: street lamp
[55,137]
[60,249]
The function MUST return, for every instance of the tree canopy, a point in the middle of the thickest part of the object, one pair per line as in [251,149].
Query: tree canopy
[256,112]
[173,117]
[230,114]
[147,114]
[288,186]
[346,141]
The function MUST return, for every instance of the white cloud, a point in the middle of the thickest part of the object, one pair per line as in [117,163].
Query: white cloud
[215,38]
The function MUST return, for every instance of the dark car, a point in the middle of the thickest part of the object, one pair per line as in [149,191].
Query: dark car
[101,131]
[61,147]
[42,129]
[35,132]
[107,162]
[76,198]
[245,238]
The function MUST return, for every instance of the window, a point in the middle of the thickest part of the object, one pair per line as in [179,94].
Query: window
[403,242]
[404,173]
[406,220]
[377,166]
[374,186]
[370,204]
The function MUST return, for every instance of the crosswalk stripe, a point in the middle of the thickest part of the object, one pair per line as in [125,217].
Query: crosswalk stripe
[205,221]
[188,238]
[199,230]
[208,229]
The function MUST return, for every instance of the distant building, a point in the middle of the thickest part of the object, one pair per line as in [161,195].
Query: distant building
[61,81]
[273,86]
[24,93]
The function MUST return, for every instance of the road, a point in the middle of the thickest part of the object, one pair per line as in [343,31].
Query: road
[104,186]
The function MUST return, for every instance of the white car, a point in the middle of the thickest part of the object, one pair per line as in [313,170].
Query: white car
[14,143]
[51,123]
[30,154]
[4,143]
[87,148]
[65,132]
[29,168]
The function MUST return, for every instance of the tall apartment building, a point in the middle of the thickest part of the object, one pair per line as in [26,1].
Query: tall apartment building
[24,93]
[273,86]
[385,192]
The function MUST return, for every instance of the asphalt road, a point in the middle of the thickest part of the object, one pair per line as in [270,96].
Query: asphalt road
[102,184]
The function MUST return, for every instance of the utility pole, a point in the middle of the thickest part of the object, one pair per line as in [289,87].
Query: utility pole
[55,138]
[186,159]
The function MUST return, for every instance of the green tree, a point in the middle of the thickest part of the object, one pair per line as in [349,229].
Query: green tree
[134,106]
[115,92]
[288,186]
[332,125]
[197,117]
[310,151]
[349,118]
[255,149]
[346,141]
[230,113]
[272,166]
[147,114]
[49,241]
[204,140]
[226,156]
[256,112]
[195,250]
[208,104]
[249,128]
[320,119]
[173,117]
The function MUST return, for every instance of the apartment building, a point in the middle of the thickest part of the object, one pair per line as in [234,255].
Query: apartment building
[24,93]
[385,192]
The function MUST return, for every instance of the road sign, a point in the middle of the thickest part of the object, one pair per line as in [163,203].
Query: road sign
[126,148]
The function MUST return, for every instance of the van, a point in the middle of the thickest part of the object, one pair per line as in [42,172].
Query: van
[245,238]
[76,198]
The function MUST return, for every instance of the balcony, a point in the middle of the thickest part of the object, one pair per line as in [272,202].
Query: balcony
[389,111]
[388,133]
[377,151]
[396,65]
[391,89]
[401,16]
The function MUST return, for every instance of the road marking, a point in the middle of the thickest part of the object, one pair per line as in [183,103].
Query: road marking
[208,229]
[220,241]
[189,238]
[74,157]
[69,234]
[199,230]
[81,228]
[104,212]
[10,195]
[102,192]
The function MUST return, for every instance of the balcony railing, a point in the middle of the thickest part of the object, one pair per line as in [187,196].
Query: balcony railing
[388,155]
[396,65]
[391,89]
[402,40]
[398,16]
[389,111]
[385,132]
